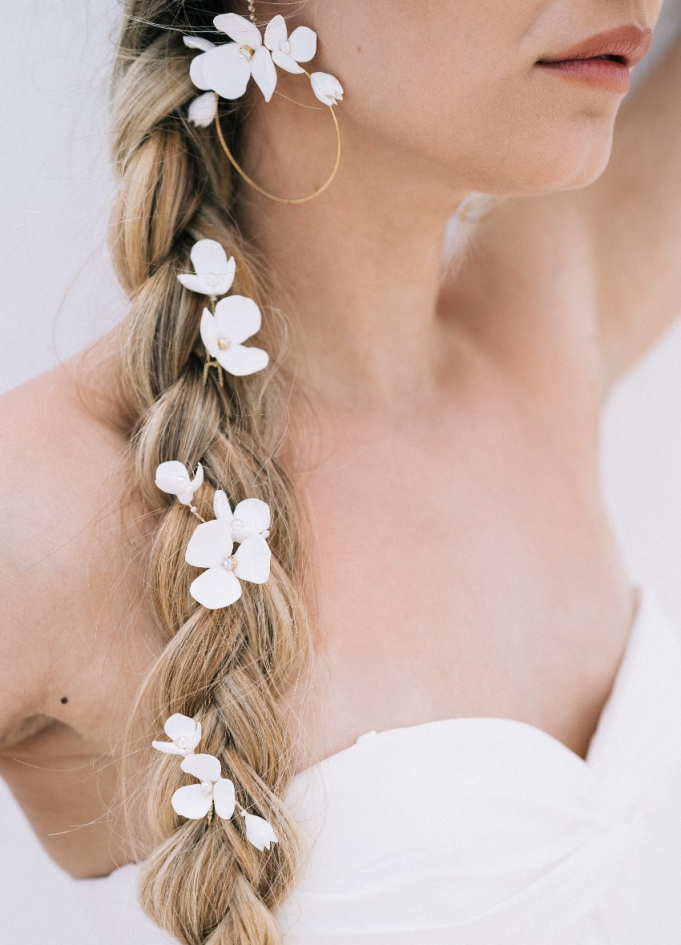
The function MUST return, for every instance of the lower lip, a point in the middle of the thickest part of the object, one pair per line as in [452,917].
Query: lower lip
[607,73]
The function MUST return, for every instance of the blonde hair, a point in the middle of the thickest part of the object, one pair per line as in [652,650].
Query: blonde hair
[204,883]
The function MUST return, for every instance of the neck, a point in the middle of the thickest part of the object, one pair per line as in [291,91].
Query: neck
[358,269]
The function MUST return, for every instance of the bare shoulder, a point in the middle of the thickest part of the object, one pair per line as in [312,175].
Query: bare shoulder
[69,570]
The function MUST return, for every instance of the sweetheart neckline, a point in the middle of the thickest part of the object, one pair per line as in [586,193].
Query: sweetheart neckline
[641,597]
[644,603]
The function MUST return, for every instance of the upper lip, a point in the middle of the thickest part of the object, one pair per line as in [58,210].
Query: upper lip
[628,43]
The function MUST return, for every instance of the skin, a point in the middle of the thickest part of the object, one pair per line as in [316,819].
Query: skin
[464,564]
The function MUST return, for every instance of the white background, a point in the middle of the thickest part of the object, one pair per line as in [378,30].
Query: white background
[57,292]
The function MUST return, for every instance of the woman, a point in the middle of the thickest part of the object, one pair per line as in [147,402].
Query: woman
[443,571]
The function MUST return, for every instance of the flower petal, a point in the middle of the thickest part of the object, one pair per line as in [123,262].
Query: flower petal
[197,481]
[191,802]
[216,588]
[194,283]
[172,477]
[253,558]
[209,258]
[303,42]
[259,832]
[203,767]
[254,514]
[276,32]
[168,748]
[209,333]
[223,70]
[179,726]
[241,361]
[202,110]
[196,73]
[286,62]
[224,798]
[264,73]
[238,318]
[193,740]
[210,544]
[215,272]
[239,29]
[198,42]
[221,506]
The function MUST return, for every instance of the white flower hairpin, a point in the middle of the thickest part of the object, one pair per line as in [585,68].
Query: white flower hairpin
[184,734]
[213,792]
[173,478]
[211,547]
[226,70]
[226,325]
[289,51]
[213,270]
[236,319]
[195,800]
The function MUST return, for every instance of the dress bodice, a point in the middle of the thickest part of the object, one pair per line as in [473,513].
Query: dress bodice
[483,831]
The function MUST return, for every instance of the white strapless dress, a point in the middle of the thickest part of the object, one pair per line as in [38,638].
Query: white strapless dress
[486,831]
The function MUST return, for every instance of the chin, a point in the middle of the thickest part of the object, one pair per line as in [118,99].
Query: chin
[559,162]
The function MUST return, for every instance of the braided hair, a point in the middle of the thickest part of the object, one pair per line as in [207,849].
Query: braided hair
[204,883]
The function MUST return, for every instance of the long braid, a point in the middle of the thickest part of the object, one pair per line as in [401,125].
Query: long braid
[204,882]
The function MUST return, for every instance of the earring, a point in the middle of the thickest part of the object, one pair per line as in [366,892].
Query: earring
[225,71]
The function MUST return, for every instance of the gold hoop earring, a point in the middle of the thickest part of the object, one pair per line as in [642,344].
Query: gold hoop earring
[228,76]
[266,193]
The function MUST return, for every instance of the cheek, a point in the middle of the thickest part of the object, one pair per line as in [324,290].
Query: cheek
[454,85]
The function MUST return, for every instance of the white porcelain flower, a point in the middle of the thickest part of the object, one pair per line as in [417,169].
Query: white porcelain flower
[223,334]
[184,734]
[203,110]
[213,269]
[195,800]
[287,51]
[227,69]
[259,832]
[172,477]
[211,547]
[250,517]
[327,88]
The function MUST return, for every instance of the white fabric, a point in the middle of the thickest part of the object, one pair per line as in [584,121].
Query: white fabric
[487,831]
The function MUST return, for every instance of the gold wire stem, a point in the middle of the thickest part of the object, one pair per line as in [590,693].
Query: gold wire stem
[207,365]
[261,190]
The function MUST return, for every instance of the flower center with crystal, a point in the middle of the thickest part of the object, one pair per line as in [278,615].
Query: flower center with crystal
[181,742]
[246,53]
[223,343]
[237,524]
[206,788]
[229,563]
[286,48]
[212,279]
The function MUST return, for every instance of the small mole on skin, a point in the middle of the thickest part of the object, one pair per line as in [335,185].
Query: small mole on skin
[64,700]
